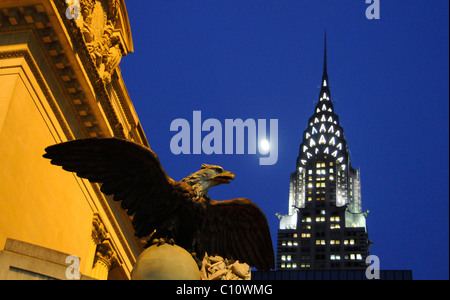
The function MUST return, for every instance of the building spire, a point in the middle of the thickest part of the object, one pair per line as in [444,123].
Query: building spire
[325,75]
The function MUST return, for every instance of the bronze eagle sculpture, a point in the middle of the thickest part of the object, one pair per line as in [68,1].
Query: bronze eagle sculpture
[167,209]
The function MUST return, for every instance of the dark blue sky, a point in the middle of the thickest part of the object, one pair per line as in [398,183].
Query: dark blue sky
[262,59]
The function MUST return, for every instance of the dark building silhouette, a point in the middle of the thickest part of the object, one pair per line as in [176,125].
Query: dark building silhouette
[325,228]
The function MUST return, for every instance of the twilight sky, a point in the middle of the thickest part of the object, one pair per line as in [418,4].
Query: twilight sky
[262,60]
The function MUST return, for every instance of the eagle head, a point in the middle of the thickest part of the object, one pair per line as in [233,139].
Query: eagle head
[208,176]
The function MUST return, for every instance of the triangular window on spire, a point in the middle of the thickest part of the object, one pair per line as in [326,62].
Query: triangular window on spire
[325,82]
[322,140]
[307,135]
[331,130]
[330,110]
[334,153]
[330,119]
[316,150]
[316,120]
[326,151]
[305,148]
[323,119]
[339,146]
[314,130]
[338,133]
[312,143]
[340,159]
[308,155]
[332,141]
[303,161]
[323,128]
[325,95]
[324,107]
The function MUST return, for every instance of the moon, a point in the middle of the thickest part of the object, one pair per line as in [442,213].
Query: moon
[264,146]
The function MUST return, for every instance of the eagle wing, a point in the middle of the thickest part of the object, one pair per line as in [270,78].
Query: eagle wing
[130,172]
[238,228]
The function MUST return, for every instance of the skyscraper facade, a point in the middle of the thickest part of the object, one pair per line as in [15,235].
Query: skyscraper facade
[325,228]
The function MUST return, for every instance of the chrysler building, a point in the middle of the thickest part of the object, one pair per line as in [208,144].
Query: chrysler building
[325,227]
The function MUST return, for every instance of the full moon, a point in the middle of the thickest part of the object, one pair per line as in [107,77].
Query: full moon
[265,146]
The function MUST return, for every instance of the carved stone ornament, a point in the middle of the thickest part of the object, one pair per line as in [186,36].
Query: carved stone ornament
[97,23]
[218,268]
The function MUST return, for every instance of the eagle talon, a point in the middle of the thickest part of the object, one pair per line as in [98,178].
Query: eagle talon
[162,241]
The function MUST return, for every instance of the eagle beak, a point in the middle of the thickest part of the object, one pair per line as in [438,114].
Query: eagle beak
[223,178]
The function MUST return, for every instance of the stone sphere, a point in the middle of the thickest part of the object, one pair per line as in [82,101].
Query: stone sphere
[165,262]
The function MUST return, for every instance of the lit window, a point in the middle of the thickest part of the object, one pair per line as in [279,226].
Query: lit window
[310,172]
[331,177]
[330,119]
[323,119]
[324,83]
[331,130]
[339,146]
[322,128]
[326,151]
[312,143]
[316,120]
[322,140]
[334,153]
[338,133]
[307,135]
[332,141]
